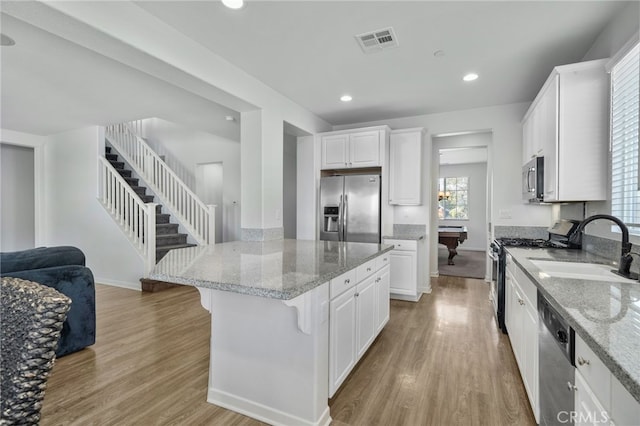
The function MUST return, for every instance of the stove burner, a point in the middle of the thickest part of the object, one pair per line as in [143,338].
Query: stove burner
[528,242]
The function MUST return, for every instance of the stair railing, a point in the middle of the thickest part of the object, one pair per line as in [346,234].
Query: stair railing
[135,218]
[197,218]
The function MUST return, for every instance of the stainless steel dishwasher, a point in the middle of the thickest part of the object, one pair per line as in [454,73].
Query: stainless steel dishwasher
[556,366]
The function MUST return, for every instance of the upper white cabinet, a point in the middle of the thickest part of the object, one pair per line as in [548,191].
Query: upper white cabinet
[405,167]
[568,124]
[352,149]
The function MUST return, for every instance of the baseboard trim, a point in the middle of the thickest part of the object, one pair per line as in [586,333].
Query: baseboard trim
[121,284]
[405,297]
[262,412]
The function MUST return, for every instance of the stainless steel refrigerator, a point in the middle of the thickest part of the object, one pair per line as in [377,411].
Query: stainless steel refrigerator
[350,208]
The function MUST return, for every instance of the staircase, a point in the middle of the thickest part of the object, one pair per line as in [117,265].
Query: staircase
[167,235]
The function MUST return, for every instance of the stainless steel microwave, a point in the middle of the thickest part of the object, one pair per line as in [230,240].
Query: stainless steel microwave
[533,181]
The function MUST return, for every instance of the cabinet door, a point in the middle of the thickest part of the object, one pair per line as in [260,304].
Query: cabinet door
[530,354]
[334,151]
[382,302]
[549,138]
[342,341]
[589,411]
[403,278]
[365,314]
[364,149]
[514,313]
[405,168]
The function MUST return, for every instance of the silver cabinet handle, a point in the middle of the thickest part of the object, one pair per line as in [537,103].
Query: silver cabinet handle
[572,387]
[521,302]
[347,281]
[356,295]
[582,361]
[368,269]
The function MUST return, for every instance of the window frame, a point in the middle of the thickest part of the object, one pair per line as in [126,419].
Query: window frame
[442,187]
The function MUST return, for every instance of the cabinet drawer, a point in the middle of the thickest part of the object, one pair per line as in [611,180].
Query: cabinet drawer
[365,270]
[595,373]
[404,245]
[382,261]
[529,289]
[342,283]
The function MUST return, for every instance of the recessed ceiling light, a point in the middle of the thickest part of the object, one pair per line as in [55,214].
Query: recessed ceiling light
[233,4]
[346,98]
[230,118]
[5,40]
[470,77]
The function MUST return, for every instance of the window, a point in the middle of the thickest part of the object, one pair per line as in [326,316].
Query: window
[625,95]
[453,198]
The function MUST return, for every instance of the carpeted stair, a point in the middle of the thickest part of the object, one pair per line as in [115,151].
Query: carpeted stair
[167,235]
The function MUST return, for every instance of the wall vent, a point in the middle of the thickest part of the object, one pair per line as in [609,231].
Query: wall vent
[378,40]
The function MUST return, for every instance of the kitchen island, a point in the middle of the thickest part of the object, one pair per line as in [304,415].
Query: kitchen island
[269,304]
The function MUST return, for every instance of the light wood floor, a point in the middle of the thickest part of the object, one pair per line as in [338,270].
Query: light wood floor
[438,362]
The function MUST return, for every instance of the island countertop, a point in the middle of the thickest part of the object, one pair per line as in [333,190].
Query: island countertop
[604,314]
[280,269]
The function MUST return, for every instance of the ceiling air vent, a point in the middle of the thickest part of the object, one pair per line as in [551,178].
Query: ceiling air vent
[377,40]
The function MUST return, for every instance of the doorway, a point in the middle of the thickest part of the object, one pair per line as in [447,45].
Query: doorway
[462,188]
[17,198]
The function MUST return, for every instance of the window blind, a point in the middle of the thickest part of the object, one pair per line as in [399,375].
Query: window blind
[625,180]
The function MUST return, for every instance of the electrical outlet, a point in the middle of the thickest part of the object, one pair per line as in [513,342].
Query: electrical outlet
[504,213]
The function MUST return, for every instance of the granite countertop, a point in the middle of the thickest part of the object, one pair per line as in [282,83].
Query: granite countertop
[281,269]
[407,232]
[406,236]
[604,314]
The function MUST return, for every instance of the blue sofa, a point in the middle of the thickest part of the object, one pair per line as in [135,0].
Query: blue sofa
[62,268]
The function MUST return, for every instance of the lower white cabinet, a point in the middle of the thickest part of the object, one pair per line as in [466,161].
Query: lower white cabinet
[600,398]
[406,269]
[521,318]
[357,314]
[382,312]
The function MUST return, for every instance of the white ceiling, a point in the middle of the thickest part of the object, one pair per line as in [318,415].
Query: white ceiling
[306,51]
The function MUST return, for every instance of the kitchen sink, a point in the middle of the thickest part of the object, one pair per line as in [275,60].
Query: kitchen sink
[578,270]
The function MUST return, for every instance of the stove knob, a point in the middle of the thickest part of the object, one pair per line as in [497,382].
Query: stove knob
[562,336]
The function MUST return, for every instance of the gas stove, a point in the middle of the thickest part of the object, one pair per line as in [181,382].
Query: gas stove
[529,242]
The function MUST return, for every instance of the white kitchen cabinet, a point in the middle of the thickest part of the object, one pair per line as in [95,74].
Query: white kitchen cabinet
[358,311]
[382,311]
[365,314]
[568,124]
[405,167]
[406,269]
[588,409]
[600,397]
[352,149]
[342,338]
[521,318]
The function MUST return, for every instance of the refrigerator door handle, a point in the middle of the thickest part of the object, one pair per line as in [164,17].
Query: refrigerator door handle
[340,216]
[344,217]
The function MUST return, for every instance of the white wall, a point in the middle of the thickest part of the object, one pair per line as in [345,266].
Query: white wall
[477,222]
[75,217]
[185,148]
[290,187]
[17,198]
[210,190]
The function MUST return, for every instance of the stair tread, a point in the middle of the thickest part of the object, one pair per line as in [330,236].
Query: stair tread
[174,246]
[166,224]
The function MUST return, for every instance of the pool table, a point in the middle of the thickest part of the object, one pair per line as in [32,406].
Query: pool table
[450,236]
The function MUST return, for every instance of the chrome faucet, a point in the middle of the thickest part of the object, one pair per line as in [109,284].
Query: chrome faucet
[625,254]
